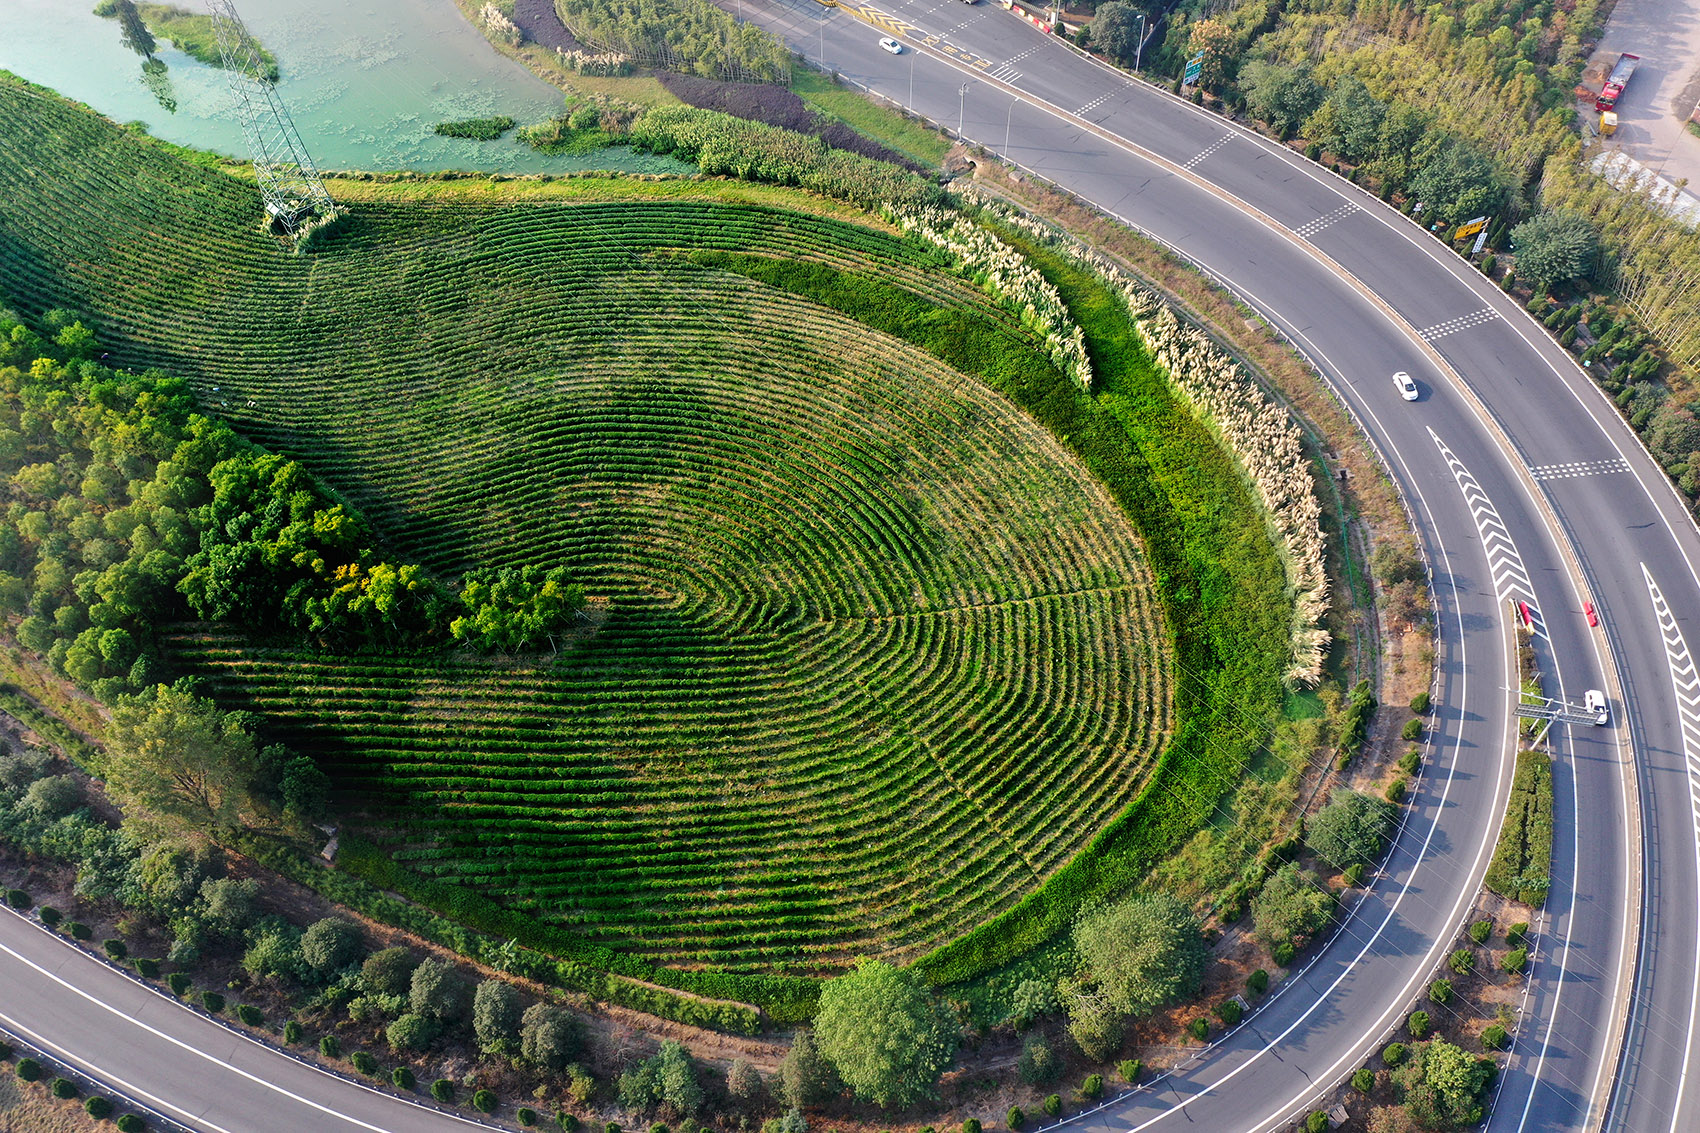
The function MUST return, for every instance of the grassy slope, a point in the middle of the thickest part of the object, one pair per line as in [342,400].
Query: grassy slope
[1207,574]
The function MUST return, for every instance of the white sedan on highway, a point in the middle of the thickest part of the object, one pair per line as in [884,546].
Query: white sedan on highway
[1407,388]
[891,45]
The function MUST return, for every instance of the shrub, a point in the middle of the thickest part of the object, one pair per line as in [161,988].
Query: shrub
[179,983]
[250,1015]
[1092,1088]
[363,1062]
[1199,1028]
[387,972]
[1363,1080]
[63,1088]
[1015,1118]
[1419,703]
[1394,1054]
[79,930]
[1462,961]
[1129,1069]
[525,1115]
[147,968]
[1418,1025]
[212,1001]
[611,1127]
[1317,1122]
[1052,1105]
[1494,1037]
[5,1051]
[1290,908]
[443,1090]
[1038,1063]
[18,899]
[1481,930]
[1396,790]
[330,1046]
[437,991]
[28,1070]
[330,944]
[1283,954]
[1440,991]
[972,1125]
[130,1123]
[98,1107]
[292,1032]
[403,1078]
[1410,761]
[49,915]
[1230,1012]
[410,1032]
[1522,861]
[567,1121]
[115,949]
[1258,982]
[1413,730]
[1515,961]
[1515,934]
[484,1101]
[1354,875]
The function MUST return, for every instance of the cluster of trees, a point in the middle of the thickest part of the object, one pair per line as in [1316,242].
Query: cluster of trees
[1133,957]
[127,509]
[692,36]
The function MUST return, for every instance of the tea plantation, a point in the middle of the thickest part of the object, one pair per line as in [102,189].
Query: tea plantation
[873,649]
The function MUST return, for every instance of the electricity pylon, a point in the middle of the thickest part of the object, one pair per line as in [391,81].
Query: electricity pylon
[288,180]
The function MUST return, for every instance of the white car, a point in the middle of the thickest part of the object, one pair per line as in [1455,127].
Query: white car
[1594,703]
[1407,388]
[891,45]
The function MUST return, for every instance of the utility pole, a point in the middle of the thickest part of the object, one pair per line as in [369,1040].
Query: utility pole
[912,55]
[962,110]
[1007,119]
[823,41]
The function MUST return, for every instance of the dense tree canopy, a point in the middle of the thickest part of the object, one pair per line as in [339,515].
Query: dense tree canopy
[178,762]
[1116,28]
[886,1035]
[1284,97]
[1352,828]
[1290,907]
[1142,953]
[1443,1086]
[1555,246]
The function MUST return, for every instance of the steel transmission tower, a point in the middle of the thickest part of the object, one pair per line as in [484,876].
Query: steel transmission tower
[288,180]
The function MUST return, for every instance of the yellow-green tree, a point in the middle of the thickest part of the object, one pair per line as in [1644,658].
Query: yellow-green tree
[177,765]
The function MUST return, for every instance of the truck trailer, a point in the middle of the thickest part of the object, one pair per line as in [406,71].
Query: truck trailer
[1616,81]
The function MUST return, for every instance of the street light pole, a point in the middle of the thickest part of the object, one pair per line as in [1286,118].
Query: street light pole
[1007,119]
[961,110]
[912,54]
[1139,49]
[823,41]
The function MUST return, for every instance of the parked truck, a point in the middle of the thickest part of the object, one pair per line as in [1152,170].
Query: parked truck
[1616,81]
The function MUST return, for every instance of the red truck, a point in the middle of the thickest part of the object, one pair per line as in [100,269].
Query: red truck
[1616,81]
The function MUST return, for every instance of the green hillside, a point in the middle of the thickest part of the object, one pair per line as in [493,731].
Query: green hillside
[870,654]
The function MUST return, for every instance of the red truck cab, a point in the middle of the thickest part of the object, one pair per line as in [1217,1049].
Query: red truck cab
[1616,81]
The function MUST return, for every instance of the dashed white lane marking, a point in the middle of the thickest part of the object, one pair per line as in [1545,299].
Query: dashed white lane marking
[1094,104]
[1579,468]
[1510,577]
[1006,74]
[1462,322]
[1210,149]
[1311,227]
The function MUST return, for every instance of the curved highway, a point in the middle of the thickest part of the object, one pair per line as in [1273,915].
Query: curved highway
[1526,486]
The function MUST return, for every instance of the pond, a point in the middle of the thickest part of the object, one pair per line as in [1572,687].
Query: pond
[364,80]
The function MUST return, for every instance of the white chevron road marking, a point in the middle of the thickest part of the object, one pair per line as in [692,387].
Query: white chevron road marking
[1505,565]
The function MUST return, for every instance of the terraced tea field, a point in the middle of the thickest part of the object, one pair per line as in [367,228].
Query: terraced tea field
[870,655]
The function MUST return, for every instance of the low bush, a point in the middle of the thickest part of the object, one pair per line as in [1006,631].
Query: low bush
[1394,1054]
[28,1070]
[1354,875]
[1462,961]
[1515,935]
[5,1051]
[49,915]
[130,1123]
[18,899]
[213,1001]
[1052,1105]
[1522,861]
[363,1062]
[63,1088]
[1015,1118]
[1396,790]
[292,1032]
[79,930]
[568,1122]
[1363,1080]
[1258,982]
[251,1015]
[1199,1028]
[1129,1069]
[525,1116]
[1419,1025]
[1283,954]
[1317,1122]
[484,1101]
[98,1107]
[1419,703]
[1410,761]
[115,949]
[147,967]
[1481,930]
[443,1090]
[478,129]
[1230,1012]
[1494,1037]
[1091,1089]
[1440,991]
[972,1125]
[1413,730]
[330,1046]
[1356,726]
[1515,961]
[179,983]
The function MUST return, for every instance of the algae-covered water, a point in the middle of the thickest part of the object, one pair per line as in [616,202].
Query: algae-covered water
[364,80]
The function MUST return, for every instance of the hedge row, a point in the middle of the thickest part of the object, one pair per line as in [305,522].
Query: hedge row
[1522,861]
